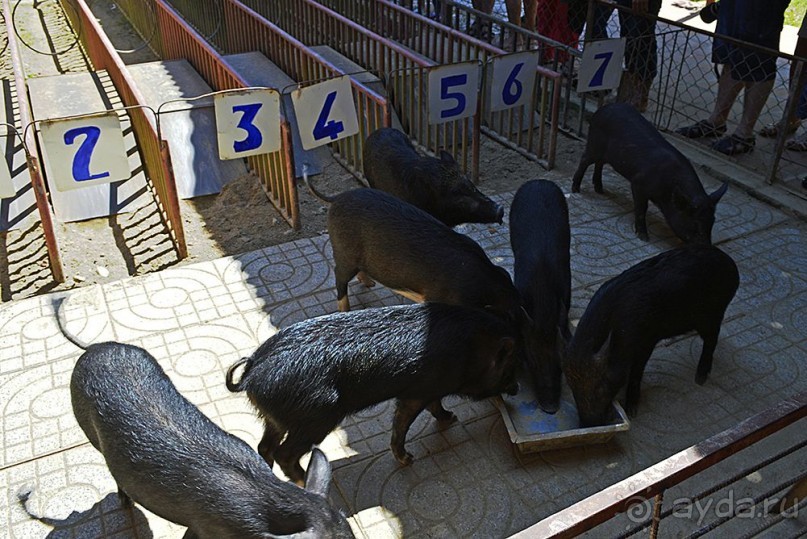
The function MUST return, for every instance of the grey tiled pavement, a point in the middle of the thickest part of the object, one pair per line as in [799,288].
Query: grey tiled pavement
[466,480]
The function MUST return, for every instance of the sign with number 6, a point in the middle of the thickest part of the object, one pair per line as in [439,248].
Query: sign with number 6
[325,112]
[80,152]
[513,79]
[601,65]
[247,122]
[453,92]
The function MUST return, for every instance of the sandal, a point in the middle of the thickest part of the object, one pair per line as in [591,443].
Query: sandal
[772,130]
[734,145]
[703,128]
[797,144]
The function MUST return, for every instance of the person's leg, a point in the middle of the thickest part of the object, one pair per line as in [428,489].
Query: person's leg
[756,94]
[727,91]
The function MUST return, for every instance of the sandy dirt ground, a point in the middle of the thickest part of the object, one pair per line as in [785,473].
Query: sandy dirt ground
[238,220]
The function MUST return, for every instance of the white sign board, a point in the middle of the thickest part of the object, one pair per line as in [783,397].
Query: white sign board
[325,112]
[84,151]
[601,66]
[513,80]
[453,92]
[247,122]
[6,185]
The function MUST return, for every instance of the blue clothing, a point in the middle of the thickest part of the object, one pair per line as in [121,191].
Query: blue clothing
[756,22]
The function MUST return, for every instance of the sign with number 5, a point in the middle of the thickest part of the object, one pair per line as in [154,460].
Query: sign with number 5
[601,66]
[513,79]
[325,112]
[453,92]
[80,152]
[247,122]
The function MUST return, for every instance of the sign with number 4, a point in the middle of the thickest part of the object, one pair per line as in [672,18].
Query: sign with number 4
[601,66]
[84,151]
[247,122]
[513,80]
[325,112]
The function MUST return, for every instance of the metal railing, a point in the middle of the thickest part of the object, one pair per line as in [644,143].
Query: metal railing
[32,152]
[404,72]
[516,128]
[275,170]
[155,154]
[652,482]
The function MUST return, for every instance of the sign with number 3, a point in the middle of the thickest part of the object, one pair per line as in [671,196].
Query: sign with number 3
[325,112]
[248,122]
[601,66]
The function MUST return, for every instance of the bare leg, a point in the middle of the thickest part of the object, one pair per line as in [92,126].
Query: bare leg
[727,91]
[756,94]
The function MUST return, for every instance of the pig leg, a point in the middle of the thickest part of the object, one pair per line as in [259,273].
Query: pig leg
[405,413]
[343,277]
[124,499]
[705,363]
[585,162]
[639,212]
[298,443]
[596,179]
[272,435]
[443,416]
[365,279]
[632,392]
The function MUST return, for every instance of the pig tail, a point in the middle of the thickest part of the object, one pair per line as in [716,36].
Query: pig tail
[235,387]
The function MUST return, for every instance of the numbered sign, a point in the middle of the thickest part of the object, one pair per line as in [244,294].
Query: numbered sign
[325,112]
[6,185]
[248,123]
[513,80]
[453,92]
[84,151]
[601,66]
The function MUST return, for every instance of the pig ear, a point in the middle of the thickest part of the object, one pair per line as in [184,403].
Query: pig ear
[717,195]
[602,354]
[318,474]
[446,157]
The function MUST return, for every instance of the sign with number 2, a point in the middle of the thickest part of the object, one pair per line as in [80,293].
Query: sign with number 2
[601,66]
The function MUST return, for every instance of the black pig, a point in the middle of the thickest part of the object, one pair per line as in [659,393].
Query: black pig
[670,294]
[170,458]
[309,376]
[436,186]
[621,137]
[378,236]
[540,237]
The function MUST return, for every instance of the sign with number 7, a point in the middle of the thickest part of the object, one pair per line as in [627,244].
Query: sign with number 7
[325,112]
[601,65]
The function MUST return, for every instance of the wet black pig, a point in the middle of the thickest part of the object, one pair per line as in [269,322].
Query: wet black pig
[621,137]
[309,376]
[677,291]
[437,186]
[170,458]
[540,238]
[378,236]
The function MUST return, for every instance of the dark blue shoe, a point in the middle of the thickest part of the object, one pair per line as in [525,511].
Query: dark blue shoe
[734,145]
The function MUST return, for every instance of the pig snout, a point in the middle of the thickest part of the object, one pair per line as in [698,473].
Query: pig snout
[548,406]
[499,214]
[512,388]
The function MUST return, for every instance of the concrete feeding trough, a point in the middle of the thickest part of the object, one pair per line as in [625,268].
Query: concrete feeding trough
[532,430]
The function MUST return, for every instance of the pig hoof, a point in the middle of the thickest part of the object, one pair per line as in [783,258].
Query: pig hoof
[366,281]
[700,379]
[643,236]
[630,409]
[406,459]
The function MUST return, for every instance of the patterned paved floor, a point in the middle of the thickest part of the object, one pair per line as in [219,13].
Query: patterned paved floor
[466,480]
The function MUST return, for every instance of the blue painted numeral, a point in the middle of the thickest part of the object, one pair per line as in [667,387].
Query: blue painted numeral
[325,128]
[459,97]
[81,161]
[509,96]
[254,136]
[597,79]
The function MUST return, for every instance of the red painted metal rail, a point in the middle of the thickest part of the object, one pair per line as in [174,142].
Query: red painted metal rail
[276,169]
[515,128]
[404,72]
[155,154]
[32,152]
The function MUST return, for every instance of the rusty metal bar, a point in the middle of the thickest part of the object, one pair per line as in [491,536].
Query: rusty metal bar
[32,151]
[446,45]
[156,159]
[402,71]
[646,484]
